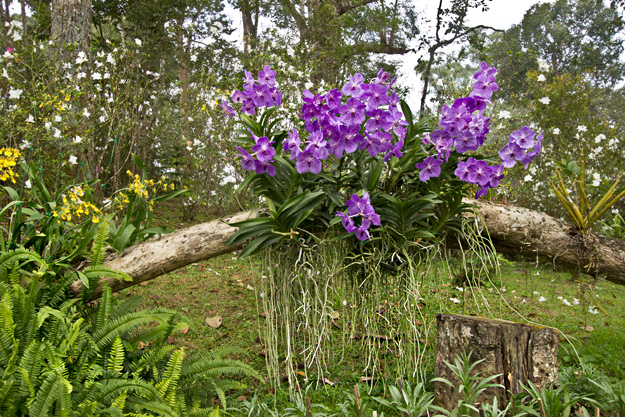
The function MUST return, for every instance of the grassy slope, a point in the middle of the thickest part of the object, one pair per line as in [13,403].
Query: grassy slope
[225,286]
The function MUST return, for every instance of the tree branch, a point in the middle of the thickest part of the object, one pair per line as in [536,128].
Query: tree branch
[344,6]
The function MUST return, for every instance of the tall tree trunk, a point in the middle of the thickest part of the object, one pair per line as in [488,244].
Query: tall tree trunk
[71,23]
[250,11]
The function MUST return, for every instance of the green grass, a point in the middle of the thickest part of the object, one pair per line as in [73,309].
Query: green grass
[227,287]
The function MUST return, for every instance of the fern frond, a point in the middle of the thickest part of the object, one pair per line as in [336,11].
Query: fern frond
[154,407]
[168,384]
[105,307]
[116,363]
[49,392]
[98,254]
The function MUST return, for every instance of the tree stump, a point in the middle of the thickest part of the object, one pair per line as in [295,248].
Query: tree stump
[518,352]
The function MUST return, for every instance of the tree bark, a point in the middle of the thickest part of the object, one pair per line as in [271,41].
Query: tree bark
[517,352]
[71,23]
[521,231]
[154,258]
[513,230]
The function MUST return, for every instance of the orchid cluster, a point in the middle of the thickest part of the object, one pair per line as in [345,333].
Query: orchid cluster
[335,128]
[261,93]
[464,128]
[359,207]
[264,153]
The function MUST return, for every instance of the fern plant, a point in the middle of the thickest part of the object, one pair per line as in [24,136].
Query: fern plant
[60,357]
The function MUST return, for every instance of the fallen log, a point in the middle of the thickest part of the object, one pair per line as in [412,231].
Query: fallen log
[172,251]
[513,230]
[521,231]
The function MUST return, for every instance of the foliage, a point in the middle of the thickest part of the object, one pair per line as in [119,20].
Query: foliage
[581,213]
[411,401]
[550,401]
[471,384]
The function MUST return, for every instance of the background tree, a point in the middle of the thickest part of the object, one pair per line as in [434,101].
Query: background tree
[449,28]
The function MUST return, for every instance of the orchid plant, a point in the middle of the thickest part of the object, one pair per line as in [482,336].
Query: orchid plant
[359,148]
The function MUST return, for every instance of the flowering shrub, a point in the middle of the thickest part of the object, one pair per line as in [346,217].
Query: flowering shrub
[361,141]
[8,159]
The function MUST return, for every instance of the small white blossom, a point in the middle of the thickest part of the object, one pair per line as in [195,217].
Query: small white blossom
[30,119]
[138,42]
[593,310]
[47,125]
[77,139]
[86,113]
[556,131]
[5,74]
[56,132]
[27,184]
[102,119]
[582,128]
[566,302]
[454,300]
[96,76]
[528,178]
[81,75]
[15,93]
[73,160]
[599,138]
[57,119]
[82,57]
[542,299]
[575,301]
[541,78]
[193,58]
[545,100]
[504,114]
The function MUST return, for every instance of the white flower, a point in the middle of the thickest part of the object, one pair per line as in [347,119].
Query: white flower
[193,58]
[57,118]
[73,160]
[542,299]
[107,75]
[582,128]
[575,301]
[536,293]
[543,65]
[541,78]
[102,119]
[15,93]
[81,75]
[56,132]
[599,138]
[592,310]
[528,178]
[48,125]
[110,59]
[30,119]
[545,100]
[566,302]
[504,114]
[96,76]
[27,184]
[77,139]
[5,74]
[25,144]
[86,113]
[460,289]
[454,300]
[556,131]
[138,41]
[308,85]
[7,54]
[82,57]
[614,211]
